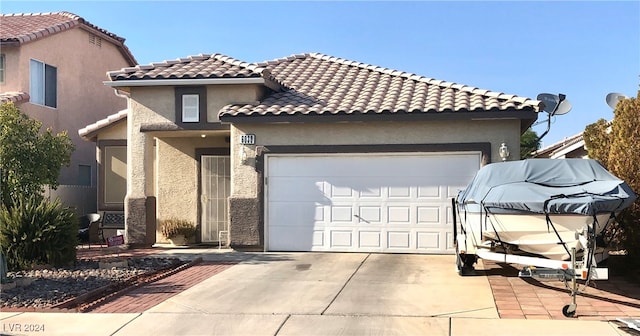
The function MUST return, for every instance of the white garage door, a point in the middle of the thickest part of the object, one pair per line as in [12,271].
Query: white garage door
[364,203]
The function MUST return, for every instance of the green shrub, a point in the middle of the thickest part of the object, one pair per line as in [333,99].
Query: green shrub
[35,231]
[173,227]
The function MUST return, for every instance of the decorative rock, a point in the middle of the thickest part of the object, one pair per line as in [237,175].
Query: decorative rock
[113,265]
[52,286]
[7,286]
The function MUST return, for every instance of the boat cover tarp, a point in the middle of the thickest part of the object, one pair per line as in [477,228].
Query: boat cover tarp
[570,186]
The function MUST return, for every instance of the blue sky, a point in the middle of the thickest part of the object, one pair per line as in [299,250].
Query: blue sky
[582,49]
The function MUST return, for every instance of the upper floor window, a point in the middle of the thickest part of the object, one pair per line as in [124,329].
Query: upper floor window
[2,67]
[191,106]
[43,86]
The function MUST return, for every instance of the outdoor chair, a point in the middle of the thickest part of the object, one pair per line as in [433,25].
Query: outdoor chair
[85,232]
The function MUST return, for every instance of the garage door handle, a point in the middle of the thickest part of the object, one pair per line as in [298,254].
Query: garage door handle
[361,219]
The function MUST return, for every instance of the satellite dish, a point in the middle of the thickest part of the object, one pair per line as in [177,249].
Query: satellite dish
[550,101]
[554,104]
[563,108]
[613,98]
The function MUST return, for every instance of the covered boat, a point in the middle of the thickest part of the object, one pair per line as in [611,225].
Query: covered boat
[540,206]
[539,213]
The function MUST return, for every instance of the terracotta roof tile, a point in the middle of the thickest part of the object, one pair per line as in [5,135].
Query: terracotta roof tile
[22,28]
[90,131]
[322,84]
[15,97]
[192,67]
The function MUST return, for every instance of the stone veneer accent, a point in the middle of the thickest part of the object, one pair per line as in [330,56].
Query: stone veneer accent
[135,210]
[245,216]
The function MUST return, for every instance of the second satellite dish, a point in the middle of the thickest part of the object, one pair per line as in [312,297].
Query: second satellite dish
[613,98]
[554,104]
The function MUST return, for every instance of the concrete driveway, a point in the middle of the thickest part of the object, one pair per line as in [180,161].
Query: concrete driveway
[339,284]
[316,294]
[297,293]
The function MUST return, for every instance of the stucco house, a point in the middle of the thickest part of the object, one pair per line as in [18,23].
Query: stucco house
[303,153]
[52,66]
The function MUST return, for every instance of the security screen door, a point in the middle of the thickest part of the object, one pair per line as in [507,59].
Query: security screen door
[216,187]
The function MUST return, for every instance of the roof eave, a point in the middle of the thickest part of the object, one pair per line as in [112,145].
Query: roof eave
[179,82]
[526,117]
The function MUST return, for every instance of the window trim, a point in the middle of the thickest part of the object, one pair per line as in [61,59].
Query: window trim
[188,116]
[3,68]
[102,204]
[180,92]
[53,100]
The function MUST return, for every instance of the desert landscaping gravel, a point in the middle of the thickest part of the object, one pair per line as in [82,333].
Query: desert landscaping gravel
[55,285]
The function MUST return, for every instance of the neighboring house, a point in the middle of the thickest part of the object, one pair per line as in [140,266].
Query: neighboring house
[303,153]
[52,66]
[571,147]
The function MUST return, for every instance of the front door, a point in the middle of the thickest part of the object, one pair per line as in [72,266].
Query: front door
[215,182]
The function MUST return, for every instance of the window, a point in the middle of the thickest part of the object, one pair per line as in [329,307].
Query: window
[84,175]
[43,84]
[191,106]
[2,67]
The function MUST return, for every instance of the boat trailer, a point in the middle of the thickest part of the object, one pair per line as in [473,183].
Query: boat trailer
[536,267]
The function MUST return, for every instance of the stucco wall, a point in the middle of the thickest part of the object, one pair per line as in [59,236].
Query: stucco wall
[175,182]
[117,131]
[82,97]
[177,176]
[222,95]
[432,132]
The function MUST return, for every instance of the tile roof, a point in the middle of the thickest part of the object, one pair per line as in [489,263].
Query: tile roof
[90,131]
[192,67]
[14,97]
[21,28]
[321,84]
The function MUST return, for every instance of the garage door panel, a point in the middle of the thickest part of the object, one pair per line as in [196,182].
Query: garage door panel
[295,214]
[306,189]
[370,192]
[341,239]
[398,239]
[429,191]
[341,214]
[397,214]
[368,203]
[428,215]
[400,191]
[341,191]
[449,240]
[297,238]
[370,215]
[369,239]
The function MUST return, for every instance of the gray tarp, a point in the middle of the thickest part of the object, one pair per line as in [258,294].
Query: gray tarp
[572,186]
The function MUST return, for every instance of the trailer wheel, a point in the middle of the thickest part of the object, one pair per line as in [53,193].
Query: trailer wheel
[569,310]
[465,262]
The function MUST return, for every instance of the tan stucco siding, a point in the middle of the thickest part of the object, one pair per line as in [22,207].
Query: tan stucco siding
[177,180]
[117,131]
[152,105]
[177,176]
[82,98]
[434,132]
[221,95]
[161,100]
